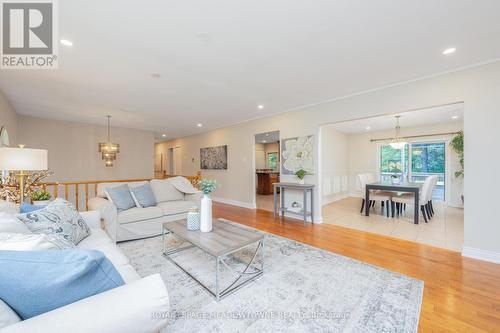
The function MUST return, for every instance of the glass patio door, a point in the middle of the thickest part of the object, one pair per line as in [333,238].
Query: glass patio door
[415,162]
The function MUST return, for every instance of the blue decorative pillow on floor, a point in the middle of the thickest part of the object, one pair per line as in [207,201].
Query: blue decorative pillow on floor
[35,282]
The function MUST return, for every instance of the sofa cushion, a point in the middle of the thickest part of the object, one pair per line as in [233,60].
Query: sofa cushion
[165,191]
[139,214]
[101,186]
[7,315]
[128,273]
[176,207]
[53,279]
[9,223]
[121,197]
[99,240]
[28,208]
[143,196]
[33,242]
[60,217]
[8,207]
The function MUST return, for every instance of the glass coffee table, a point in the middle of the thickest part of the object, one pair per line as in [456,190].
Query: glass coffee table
[224,239]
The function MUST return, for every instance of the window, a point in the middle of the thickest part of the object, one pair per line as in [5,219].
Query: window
[415,162]
[272,161]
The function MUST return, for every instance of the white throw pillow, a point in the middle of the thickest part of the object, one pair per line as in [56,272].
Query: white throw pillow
[22,242]
[9,223]
[7,315]
[163,190]
[8,207]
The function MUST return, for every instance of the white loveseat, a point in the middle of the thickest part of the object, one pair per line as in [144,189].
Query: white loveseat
[130,308]
[136,223]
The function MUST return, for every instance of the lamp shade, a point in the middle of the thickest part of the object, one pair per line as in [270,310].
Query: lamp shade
[18,159]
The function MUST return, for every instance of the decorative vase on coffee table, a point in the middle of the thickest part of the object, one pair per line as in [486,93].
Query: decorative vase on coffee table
[206,214]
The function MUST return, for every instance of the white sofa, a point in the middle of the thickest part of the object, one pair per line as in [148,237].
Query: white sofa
[126,309]
[136,223]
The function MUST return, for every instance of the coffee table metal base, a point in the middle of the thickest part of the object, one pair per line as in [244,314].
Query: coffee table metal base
[247,275]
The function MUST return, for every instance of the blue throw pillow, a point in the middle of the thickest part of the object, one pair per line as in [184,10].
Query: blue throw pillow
[143,195]
[28,208]
[121,197]
[35,282]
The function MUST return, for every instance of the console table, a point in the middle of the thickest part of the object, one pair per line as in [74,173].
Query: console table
[305,188]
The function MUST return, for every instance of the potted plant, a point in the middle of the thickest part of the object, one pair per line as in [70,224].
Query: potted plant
[395,169]
[300,174]
[207,186]
[457,145]
[40,197]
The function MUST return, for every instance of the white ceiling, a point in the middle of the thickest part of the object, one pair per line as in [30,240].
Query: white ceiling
[429,116]
[218,60]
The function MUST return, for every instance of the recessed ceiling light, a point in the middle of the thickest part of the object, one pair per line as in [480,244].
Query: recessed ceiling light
[449,50]
[66,42]
[455,117]
[163,135]
[267,134]
[368,128]
[260,106]
[263,141]
[155,75]
[199,125]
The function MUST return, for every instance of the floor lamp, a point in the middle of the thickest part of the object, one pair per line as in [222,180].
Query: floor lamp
[20,160]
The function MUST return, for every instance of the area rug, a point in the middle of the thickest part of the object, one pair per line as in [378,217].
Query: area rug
[303,289]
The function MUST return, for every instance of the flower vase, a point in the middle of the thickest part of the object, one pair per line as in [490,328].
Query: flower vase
[301,181]
[206,214]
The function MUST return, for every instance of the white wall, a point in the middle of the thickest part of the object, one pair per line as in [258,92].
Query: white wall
[363,156]
[477,87]
[73,149]
[9,119]
[334,165]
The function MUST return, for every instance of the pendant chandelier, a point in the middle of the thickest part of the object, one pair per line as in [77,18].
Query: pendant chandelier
[398,142]
[109,150]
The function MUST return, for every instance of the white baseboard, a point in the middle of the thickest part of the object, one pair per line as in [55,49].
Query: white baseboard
[317,219]
[234,202]
[485,255]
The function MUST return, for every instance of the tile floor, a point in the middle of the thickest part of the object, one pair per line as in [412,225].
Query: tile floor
[265,202]
[445,230]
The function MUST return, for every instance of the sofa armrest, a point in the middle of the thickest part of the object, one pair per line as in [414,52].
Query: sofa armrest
[92,218]
[109,214]
[194,197]
[139,307]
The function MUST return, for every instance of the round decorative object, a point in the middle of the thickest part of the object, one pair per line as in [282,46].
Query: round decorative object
[301,181]
[193,219]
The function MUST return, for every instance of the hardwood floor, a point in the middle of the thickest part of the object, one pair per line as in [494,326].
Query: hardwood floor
[460,294]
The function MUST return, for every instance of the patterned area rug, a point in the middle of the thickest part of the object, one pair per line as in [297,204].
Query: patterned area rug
[303,289]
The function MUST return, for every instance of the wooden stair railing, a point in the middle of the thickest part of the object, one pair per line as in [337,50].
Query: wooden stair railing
[72,189]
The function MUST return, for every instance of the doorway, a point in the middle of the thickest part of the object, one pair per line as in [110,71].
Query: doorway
[175,161]
[267,168]
[359,151]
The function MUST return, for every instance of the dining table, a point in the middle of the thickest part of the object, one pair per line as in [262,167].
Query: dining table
[407,187]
